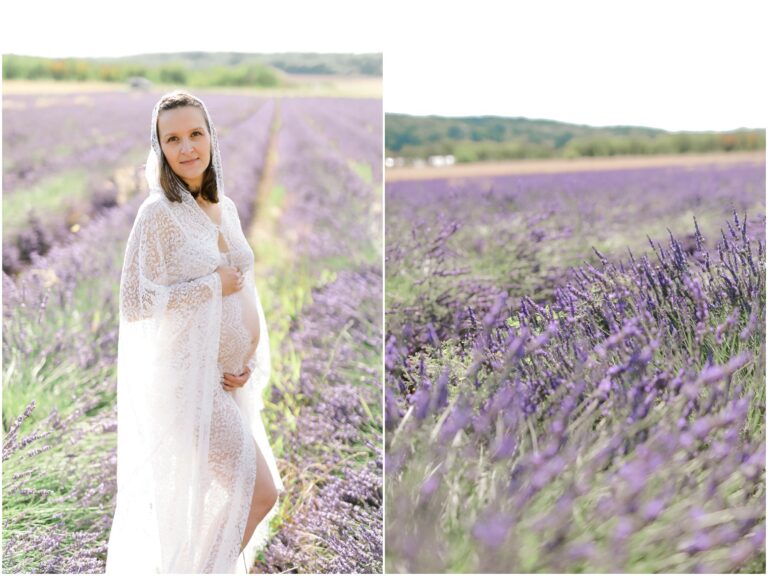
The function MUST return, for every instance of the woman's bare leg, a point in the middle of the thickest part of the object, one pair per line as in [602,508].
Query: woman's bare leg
[264,497]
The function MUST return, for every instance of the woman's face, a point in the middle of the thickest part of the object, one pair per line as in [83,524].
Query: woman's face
[186,143]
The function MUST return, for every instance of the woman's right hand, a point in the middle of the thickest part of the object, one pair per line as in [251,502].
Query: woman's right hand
[231,279]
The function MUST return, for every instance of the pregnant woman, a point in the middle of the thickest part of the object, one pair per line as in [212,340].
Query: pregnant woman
[195,473]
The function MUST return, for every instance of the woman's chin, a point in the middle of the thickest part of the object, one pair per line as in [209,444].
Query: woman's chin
[192,178]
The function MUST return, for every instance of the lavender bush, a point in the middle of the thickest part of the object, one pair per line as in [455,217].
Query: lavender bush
[458,243]
[612,423]
[328,379]
[47,135]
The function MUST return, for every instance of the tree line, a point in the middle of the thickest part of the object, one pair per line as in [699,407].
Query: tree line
[192,68]
[83,70]
[473,139]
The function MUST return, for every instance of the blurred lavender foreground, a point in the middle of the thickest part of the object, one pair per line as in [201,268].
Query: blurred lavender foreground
[315,225]
[565,394]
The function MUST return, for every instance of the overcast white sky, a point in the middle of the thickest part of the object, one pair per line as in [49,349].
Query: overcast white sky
[126,27]
[673,64]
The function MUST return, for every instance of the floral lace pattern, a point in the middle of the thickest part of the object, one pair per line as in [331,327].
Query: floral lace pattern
[186,450]
[177,335]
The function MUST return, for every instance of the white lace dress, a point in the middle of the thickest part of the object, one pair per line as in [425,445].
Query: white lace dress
[186,447]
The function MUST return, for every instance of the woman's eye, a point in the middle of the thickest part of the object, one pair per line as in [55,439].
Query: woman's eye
[174,138]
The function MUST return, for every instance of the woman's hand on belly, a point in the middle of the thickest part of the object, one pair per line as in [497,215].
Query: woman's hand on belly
[231,381]
[231,279]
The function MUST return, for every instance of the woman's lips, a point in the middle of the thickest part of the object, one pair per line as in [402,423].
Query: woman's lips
[190,161]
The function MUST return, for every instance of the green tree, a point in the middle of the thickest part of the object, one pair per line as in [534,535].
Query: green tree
[173,74]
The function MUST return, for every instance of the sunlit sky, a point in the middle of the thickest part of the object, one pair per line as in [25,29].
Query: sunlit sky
[673,64]
[82,28]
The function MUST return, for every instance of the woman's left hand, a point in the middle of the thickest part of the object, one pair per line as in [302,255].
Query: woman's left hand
[230,381]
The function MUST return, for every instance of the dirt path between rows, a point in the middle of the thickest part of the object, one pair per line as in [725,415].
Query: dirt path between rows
[574,165]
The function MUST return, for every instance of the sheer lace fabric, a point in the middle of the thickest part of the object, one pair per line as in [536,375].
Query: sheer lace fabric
[186,454]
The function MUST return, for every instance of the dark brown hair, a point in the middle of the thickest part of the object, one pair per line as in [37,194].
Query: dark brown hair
[172,185]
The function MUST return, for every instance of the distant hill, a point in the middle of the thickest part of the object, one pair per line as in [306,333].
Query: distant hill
[480,138]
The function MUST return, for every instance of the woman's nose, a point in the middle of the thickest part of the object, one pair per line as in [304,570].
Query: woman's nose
[186,145]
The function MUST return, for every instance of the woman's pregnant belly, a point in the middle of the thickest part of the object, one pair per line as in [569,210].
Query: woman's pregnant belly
[239,330]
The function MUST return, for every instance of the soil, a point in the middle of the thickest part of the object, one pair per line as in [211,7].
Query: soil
[565,165]
[304,85]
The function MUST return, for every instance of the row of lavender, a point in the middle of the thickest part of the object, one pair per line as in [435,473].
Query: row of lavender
[460,242]
[89,145]
[614,421]
[43,136]
[332,519]
[355,128]
[59,353]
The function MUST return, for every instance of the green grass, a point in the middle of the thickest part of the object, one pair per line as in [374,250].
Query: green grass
[64,196]
[40,353]
[49,197]
[363,170]
[60,470]
[277,195]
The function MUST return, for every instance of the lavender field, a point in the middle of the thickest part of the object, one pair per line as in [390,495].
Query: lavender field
[303,173]
[575,372]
